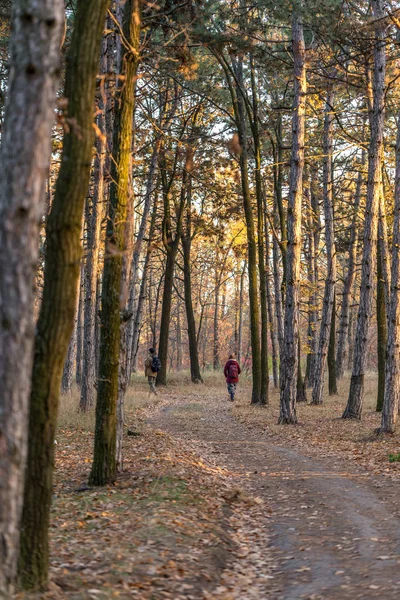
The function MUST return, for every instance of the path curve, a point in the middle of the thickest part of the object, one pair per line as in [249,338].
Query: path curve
[330,534]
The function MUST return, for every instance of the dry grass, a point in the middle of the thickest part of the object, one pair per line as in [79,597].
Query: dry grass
[137,398]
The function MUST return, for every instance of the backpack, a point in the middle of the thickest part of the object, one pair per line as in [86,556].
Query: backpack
[155,364]
[233,370]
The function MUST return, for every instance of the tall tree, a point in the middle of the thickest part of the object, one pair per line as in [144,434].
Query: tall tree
[375,156]
[329,293]
[61,276]
[25,155]
[113,295]
[391,404]
[289,360]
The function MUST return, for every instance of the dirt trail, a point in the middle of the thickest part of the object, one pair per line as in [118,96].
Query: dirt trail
[330,531]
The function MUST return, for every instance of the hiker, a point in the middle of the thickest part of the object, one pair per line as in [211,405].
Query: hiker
[151,367]
[232,371]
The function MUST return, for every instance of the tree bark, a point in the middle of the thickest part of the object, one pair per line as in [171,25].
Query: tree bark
[289,360]
[312,268]
[171,244]
[332,384]
[382,326]
[390,408]
[195,373]
[356,394]
[350,278]
[61,276]
[25,155]
[143,285]
[327,308]
[94,215]
[113,299]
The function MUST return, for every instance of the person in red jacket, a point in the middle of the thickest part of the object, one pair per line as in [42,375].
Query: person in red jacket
[232,371]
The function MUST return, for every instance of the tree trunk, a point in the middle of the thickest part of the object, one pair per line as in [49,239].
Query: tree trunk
[356,394]
[143,285]
[68,371]
[217,283]
[327,307]
[301,395]
[390,408]
[350,278]
[113,297]
[61,276]
[261,233]
[289,359]
[332,385]
[79,326]
[25,155]
[151,187]
[382,327]
[93,237]
[171,244]
[240,325]
[240,117]
[195,373]
[271,313]
[312,268]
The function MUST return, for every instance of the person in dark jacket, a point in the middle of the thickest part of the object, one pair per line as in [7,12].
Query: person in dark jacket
[232,371]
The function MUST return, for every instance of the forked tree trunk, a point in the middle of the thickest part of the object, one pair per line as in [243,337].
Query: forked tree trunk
[327,307]
[25,156]
[61,276]
[356,394]
[341,357]
[289,359]
[113,299]
[392,368]
[171,245]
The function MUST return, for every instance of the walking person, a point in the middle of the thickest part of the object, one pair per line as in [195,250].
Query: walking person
[151,367]
[232,371]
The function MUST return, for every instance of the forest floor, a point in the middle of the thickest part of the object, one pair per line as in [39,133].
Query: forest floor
[217,501]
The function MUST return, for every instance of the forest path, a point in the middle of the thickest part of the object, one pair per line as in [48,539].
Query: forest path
[328,530]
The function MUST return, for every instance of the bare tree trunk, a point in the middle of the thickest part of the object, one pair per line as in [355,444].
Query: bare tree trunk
[79,327]
[289,361]
[240,325]
[356,394]
[271,313]
[392,368]
[332,385]
[217,284]
[151,187]
[350,278]
[382,327]
[312,268]
[143,286]
[119,225]
[187,279]
[57,312]
[327,308]
[68,372]
[93,213]
[277,290]
[25,155]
